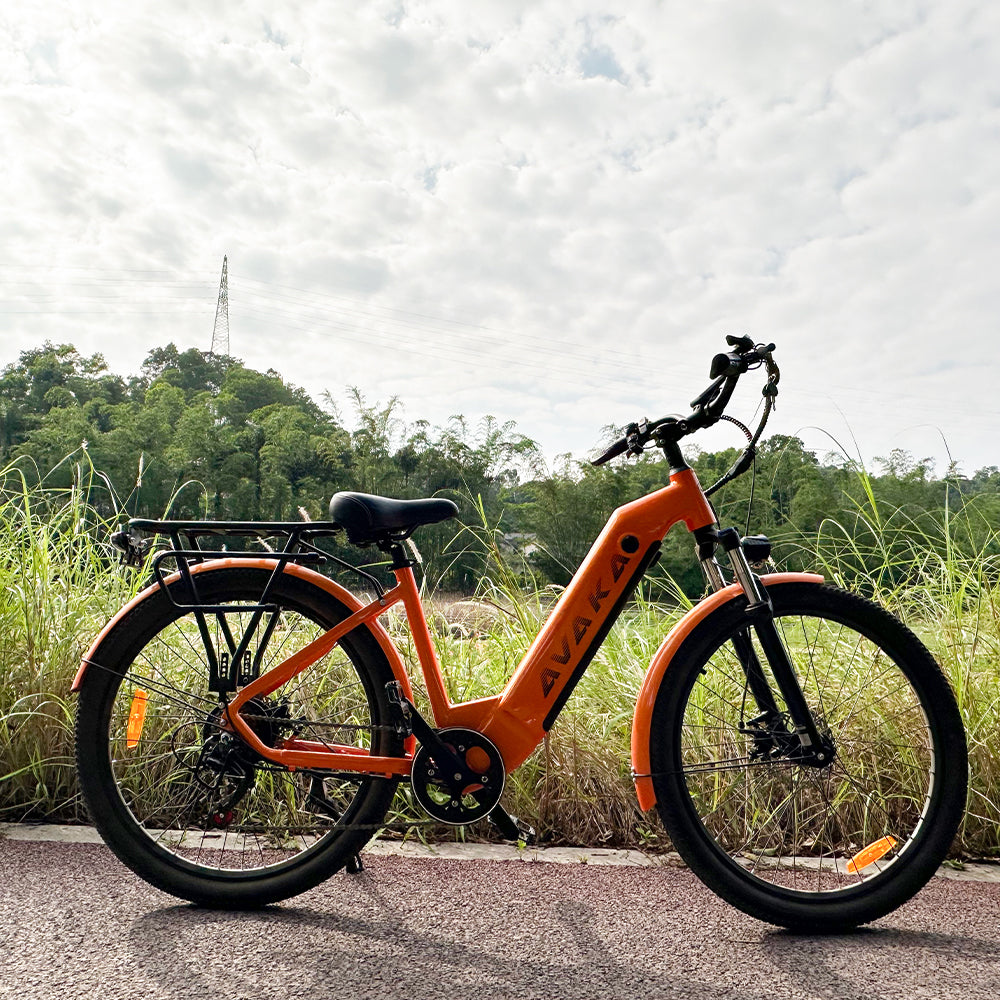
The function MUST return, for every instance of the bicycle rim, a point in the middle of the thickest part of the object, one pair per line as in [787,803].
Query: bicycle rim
[196,795]
[761,826]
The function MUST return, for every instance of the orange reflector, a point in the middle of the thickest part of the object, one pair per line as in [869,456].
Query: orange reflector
[136,717]
[871,854]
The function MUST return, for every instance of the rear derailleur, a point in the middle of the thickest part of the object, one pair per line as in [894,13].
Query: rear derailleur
[225,768]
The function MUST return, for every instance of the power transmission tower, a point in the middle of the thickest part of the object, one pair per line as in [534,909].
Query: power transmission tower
[220,331]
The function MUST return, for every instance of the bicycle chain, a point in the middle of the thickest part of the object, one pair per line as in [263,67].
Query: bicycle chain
[398,827]
[305,724]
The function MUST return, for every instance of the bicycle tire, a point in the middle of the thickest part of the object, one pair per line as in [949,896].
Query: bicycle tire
[775,838]
[262,833]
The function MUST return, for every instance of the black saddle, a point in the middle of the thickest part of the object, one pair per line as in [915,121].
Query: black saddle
[368,518]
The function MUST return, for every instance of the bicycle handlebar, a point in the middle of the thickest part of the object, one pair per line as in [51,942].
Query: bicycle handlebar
[618,448]
[708,408]
[736,362]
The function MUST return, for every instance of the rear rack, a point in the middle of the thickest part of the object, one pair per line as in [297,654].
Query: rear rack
[236,667]
[260,529]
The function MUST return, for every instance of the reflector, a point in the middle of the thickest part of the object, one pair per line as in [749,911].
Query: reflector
[871,854]
[136,717]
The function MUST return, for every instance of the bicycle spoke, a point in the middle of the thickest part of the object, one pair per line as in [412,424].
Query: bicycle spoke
[786,821]
[191,784]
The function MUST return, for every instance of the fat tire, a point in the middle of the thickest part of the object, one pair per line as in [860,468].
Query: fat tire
[864,901]
[126,836]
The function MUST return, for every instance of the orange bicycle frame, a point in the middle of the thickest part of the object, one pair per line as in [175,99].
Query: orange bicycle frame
[517,719]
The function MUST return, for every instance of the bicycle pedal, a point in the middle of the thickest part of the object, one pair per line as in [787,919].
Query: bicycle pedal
[510,827]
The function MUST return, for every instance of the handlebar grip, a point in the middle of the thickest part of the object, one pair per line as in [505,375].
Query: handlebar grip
[618,448]
[727,365]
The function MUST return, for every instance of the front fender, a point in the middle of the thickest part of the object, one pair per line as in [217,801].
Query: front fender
[334,589]
[642,720]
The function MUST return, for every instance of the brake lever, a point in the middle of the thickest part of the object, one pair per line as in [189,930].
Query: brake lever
[630,444]
[770,390]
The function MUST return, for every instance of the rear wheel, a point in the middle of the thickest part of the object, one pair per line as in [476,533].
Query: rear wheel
[186,804]
[800,844]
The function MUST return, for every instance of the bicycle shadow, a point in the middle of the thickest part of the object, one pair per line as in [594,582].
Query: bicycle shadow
[382,949]
[294,952]
[828,966]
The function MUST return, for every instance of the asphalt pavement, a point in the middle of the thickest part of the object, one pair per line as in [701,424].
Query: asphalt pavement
[75,923]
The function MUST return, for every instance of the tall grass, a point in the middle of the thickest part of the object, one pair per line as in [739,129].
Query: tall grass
[941,575]
[59,583]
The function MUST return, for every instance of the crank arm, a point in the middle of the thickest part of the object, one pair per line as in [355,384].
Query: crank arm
[455,773]
[510,827]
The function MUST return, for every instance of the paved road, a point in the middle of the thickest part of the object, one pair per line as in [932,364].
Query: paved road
[74,923]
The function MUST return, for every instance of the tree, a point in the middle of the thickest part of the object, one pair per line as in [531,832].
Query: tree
[194,435]
[52,377]
[192,370]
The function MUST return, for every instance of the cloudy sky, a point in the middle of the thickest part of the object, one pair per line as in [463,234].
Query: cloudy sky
[551,211]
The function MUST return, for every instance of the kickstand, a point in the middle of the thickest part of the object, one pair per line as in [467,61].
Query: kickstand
[354,865]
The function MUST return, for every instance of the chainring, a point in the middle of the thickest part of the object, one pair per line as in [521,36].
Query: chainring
[459,806]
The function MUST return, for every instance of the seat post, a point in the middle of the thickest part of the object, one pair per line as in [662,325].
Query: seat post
[394,549]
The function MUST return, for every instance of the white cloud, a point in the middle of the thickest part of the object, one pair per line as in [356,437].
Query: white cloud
[561,201]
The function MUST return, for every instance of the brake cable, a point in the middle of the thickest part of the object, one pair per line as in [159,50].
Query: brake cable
[746,460]
[753,466]
[743,427]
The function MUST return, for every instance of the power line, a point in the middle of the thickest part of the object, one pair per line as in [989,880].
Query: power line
[317,304]
[308,310]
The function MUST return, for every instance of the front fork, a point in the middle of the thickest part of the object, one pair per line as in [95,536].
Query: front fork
[813,748]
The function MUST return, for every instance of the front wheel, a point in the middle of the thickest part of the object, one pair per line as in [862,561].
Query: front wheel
[188,805]
[781,836]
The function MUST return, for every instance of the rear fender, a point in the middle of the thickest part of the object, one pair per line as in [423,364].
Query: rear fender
[642,721]
[293,569]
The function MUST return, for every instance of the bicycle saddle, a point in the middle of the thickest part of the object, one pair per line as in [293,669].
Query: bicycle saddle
[365,517]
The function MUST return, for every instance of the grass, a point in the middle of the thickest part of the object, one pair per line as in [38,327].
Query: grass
[60,582]
[942,577]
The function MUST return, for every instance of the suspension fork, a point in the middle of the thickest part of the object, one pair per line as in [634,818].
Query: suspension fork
[760,615]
